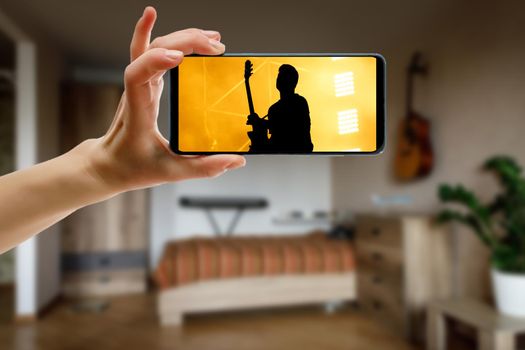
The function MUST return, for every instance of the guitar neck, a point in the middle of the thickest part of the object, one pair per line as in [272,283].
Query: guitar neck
[416,68]
[409,93]
[249,94]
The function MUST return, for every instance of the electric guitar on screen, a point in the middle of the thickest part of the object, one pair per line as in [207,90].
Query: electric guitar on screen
[259,134]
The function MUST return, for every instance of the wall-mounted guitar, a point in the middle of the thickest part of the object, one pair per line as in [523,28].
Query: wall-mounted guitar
[259,133]
[414,157]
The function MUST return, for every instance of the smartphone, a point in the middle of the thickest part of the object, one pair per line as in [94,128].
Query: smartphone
[278,104]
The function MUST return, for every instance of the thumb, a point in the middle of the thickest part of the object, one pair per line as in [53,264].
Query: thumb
[205,166]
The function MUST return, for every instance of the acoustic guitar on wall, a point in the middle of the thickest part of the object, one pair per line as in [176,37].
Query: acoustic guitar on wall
[414,154]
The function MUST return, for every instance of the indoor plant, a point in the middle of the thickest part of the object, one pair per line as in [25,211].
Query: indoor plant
[500,225]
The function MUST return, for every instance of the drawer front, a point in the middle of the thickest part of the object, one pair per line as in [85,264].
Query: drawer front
[381,259]
[104,283]
[102,261]
[380,283]
[385,313]
[118,224]
[383,231]
[383,304]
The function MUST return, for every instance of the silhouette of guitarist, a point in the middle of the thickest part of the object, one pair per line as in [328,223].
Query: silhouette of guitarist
[288,119]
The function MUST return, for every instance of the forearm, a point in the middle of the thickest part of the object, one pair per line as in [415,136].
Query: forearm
[35,198]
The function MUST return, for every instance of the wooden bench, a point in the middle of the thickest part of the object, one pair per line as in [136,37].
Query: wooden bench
[495,331]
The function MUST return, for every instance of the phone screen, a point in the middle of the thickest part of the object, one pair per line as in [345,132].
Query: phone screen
[278,104]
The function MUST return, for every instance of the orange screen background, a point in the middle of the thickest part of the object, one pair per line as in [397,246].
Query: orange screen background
[213,107]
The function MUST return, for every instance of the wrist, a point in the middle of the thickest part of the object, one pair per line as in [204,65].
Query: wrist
[96,168]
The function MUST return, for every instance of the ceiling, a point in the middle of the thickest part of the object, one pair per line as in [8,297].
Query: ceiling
[98,32]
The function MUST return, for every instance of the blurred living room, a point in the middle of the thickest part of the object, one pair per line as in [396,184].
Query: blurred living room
[401,250]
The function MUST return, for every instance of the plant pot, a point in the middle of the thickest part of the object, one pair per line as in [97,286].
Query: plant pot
[509,291]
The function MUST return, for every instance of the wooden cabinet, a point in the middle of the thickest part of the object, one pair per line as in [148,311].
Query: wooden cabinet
[104,245]
[403,262]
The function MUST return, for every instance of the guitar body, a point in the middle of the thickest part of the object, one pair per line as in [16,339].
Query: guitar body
[414,155]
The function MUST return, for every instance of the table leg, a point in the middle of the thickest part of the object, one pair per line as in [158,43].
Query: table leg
[436,330]
[494,340]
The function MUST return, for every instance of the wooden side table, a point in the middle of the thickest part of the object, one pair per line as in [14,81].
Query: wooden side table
[495,331]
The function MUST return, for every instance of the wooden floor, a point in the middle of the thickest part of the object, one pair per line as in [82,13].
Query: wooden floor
[130,323]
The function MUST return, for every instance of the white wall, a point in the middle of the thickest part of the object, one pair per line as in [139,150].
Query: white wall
[288,182]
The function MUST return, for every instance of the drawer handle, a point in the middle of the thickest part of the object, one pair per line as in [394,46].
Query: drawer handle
[104,261]
[377,305]
[377,256]
[376,231]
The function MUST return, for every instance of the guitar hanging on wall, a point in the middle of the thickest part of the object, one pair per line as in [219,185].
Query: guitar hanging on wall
[414,155]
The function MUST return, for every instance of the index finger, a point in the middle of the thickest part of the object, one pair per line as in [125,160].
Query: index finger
[142,33]
[191,41]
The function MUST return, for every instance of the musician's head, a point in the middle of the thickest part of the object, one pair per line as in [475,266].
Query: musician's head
[287,79]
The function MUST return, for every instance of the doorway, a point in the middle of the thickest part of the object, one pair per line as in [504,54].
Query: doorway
[7,165]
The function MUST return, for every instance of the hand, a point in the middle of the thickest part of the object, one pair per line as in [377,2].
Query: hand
[253,119]
[133,154]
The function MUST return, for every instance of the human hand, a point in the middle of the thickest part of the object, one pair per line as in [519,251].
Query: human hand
[253,119]
[133,154]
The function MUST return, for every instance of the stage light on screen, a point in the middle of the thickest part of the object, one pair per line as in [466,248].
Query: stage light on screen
[338,58]
[348,121]
[344,84]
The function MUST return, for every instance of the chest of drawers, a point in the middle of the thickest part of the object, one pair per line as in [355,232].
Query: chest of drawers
[403,263]
[104,245]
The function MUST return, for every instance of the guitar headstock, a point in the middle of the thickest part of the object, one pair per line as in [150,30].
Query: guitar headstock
[418,65]
[248,69]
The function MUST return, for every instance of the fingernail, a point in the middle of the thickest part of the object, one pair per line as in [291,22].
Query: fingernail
[173,54]
[217,44]
[210,32]
[235,165]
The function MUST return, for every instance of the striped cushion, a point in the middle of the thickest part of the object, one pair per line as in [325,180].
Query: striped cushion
[198,259]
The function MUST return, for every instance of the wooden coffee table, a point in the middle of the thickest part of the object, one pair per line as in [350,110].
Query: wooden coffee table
[495,331]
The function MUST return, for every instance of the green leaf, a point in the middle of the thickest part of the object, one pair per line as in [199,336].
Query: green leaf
[448,215]
[499,224]
[459,194]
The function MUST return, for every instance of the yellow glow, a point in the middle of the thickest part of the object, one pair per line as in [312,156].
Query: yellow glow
[213,106]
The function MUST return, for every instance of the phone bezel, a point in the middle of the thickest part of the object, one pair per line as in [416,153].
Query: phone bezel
[380,104]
